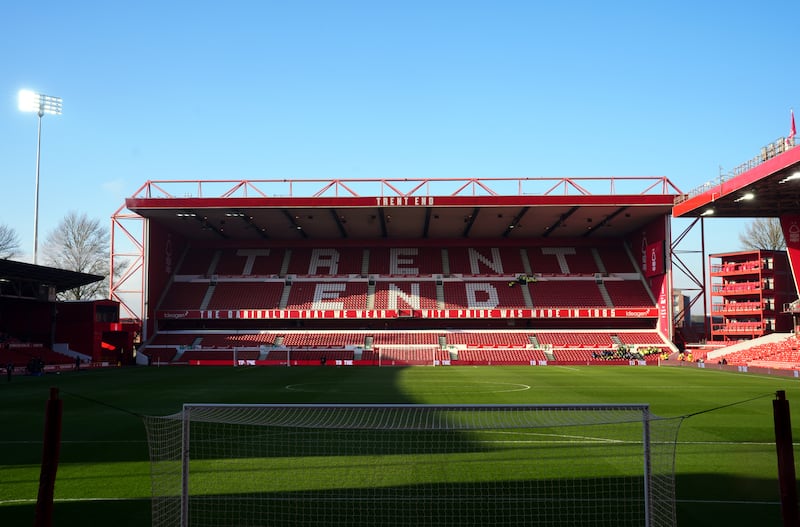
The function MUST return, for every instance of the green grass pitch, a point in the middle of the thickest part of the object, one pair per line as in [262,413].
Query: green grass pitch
[726,462]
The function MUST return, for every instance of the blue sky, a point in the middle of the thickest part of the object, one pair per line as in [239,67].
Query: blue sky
[342,89]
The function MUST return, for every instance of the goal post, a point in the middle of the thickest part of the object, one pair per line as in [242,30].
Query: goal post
[404,465]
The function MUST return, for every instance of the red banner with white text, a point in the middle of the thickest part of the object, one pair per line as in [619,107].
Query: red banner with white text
[790,223]
[289,314]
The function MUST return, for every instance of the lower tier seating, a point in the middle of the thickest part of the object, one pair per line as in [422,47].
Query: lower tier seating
[414,346]
[785,351]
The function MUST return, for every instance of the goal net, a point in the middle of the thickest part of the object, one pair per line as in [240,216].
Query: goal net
[412,465]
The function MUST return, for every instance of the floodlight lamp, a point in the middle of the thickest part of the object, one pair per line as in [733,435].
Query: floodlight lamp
[30,101]
[747,196]
[707,212]
[793,177]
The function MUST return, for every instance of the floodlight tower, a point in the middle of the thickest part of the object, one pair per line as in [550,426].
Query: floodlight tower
[41,104]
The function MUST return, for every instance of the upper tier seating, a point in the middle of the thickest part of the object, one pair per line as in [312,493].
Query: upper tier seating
[246,295]
[245,262]
[231,278]
[628,293]
[185,295]
[562,260]
[482,295]
[197,261]
[616,260]
[400,295]
[566,293]
[405,261]
[485,261]
[326,261]
[328,295]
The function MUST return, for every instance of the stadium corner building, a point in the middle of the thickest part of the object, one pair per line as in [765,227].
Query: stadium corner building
[403,271]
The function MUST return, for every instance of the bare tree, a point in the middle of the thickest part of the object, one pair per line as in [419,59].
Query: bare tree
[80,244]
[9,242]
[765,234]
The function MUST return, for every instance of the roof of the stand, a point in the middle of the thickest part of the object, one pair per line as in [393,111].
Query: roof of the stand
[766,186]
[362,209]
[25,277]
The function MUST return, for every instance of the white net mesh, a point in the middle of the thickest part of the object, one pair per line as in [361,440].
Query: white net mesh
[403,465]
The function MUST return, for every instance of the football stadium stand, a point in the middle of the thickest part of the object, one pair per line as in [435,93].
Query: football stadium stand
[417,272]
[359,287]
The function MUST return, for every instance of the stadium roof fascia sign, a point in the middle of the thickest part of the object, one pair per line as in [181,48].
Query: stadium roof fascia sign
[398,201]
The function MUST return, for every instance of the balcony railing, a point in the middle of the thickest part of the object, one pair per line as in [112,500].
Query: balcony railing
[743,267]
[735,307]
[739,287]
[739,327]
